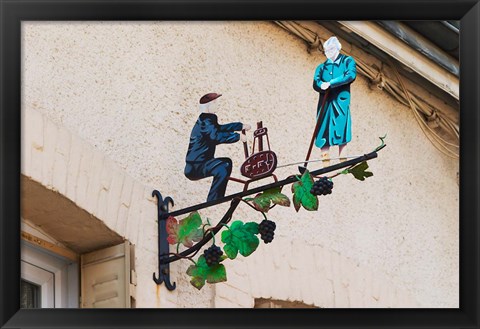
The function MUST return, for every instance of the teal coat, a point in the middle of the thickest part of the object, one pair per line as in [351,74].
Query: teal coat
[336,124]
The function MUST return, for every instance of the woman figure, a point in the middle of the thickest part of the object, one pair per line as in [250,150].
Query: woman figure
[335,75]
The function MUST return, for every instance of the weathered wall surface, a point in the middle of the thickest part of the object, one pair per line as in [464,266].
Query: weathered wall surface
[130,92]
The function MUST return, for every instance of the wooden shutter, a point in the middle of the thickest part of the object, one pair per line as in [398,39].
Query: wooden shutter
[108,278]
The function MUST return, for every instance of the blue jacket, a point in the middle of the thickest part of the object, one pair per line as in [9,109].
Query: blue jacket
[336,122]
[206,134]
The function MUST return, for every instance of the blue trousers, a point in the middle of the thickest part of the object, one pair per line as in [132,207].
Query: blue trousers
[219,168]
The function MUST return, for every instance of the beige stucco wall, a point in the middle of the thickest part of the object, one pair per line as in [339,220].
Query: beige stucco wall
[129,92]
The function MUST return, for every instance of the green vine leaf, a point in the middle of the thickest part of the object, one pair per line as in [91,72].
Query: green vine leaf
[240,238]
[301,193]
[186,231]
[359,171]
[264,200]
[201,272]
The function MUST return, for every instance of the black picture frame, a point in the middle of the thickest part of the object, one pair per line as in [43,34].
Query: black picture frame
[14,11]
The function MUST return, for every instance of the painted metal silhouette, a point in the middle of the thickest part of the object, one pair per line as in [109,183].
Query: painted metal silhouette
[261,163]
[206,134]
[332,81]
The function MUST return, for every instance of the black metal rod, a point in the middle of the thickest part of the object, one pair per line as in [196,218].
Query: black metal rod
[286,181]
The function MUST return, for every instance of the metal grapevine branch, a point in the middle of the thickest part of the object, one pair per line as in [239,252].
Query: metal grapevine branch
[239,237]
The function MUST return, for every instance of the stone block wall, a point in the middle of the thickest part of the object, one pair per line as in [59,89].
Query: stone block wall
[107,110]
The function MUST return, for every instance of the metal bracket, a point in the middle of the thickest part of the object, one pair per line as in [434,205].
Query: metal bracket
[163,246]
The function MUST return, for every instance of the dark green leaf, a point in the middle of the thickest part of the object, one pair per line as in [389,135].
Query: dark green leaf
[201,272]
[217,274]
[263,201]
[240,238]
[226,235]
[186,231]
[247,244]
[301,193]
[230,250]
[236,225]
[360,171]
[251,227]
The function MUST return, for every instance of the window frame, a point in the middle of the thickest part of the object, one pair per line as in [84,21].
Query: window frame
[63,283]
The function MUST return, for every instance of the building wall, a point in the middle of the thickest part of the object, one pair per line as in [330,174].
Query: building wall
[127,94]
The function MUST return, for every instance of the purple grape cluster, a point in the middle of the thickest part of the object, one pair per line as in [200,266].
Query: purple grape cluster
[267,230]
[323,186]
[212,255]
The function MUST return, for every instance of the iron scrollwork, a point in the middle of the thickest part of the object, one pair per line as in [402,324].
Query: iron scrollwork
[163,246]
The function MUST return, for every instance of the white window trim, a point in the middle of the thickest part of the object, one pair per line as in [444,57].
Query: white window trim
[64,275]
[43,278]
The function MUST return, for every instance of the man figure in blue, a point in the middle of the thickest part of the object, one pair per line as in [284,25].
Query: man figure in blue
[335,74]
[206,134]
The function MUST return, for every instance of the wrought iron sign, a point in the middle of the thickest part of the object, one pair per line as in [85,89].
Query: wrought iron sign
[332,81]
[270,192]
